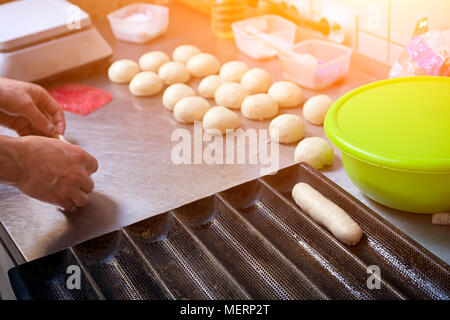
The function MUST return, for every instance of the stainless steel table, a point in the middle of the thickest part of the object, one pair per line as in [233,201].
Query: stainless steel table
[131,139]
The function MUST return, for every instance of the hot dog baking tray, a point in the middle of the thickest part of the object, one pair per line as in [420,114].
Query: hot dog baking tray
[248,242]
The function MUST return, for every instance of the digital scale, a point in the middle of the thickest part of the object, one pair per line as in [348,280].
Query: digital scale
[42,38]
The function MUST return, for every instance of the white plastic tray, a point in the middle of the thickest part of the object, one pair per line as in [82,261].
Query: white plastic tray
[273,25]
[334,61]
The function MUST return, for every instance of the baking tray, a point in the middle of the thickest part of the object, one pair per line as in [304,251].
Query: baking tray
[248,242]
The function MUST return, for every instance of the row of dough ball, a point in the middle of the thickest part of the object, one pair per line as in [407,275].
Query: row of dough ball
[187,108]
[156,69]
[231,94]
[236,81]
[186,59]
[286,128]
[240,87]
[238,78]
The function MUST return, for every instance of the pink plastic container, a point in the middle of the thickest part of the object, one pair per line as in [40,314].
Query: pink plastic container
[334,61]
[271,24]
[139,22]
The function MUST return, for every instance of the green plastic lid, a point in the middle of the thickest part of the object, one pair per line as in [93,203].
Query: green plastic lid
[398,123]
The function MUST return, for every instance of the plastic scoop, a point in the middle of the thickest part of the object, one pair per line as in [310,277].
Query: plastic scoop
[282,47]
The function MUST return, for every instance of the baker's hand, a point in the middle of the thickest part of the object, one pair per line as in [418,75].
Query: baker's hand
[54,171]
[29,109]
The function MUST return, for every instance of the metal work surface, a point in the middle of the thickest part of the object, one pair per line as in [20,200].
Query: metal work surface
[248,242]
[130,137]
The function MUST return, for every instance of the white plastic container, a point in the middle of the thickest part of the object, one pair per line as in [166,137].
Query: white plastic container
[334,61]
[271,24]
[139,22]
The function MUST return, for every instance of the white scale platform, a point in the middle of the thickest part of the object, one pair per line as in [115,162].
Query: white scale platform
[36,42]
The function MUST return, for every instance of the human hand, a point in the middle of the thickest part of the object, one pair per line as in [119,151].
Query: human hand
[54,171]
[29,109]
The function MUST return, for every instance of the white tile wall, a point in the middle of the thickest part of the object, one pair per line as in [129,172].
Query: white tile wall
[372,46]
[374,17]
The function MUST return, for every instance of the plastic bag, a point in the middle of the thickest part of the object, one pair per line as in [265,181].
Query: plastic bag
[426,54]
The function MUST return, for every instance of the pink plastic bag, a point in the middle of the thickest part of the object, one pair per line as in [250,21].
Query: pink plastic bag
[426,54]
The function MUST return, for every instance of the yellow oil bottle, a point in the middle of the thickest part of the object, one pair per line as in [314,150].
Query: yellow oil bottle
[224,13]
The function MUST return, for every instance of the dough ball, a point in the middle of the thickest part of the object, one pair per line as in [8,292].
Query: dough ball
[316,108]
[175,93]
[184,52]
[233,71]
[122,71]
[174,72]
[190,109]
[259,107]
[256,80]
[315,151]
[290,128]
[203,64]
[208,86]
[152,61]
[145,83]
[287,94]
[231,95]
[220,119]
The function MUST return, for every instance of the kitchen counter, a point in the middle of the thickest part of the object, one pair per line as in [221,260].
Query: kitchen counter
[131,139]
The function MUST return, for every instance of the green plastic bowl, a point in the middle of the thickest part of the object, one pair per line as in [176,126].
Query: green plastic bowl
[395,141]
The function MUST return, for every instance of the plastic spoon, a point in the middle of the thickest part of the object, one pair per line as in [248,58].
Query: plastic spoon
[281,46]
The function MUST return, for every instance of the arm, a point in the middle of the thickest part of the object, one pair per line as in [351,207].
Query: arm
[47,169]
[9,171]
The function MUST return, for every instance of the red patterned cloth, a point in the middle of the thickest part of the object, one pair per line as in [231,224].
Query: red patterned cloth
[79,98]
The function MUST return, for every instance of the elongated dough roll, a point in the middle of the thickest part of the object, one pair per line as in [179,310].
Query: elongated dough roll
[327,213]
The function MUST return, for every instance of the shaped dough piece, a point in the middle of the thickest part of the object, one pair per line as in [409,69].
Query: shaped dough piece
[145,83]
[287,94]
[256,80]
[259,107]
[175,93]
[190,109]
[315,151]
[219,119]
[152,61]
[174,72]
[287,128]
[122,71]
[184,52]
[209,85]
[231,95]
[316,108]
[233,71]
[203,64]
[327,213]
